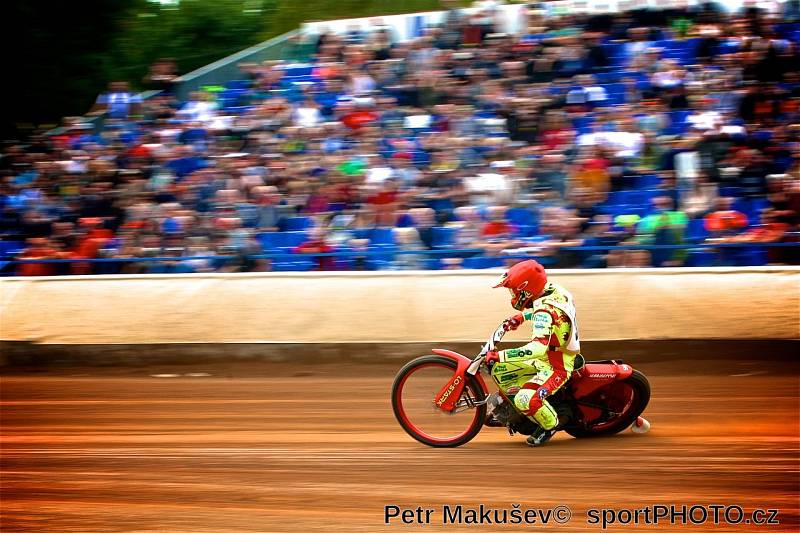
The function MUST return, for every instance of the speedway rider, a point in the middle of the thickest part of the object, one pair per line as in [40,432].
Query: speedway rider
[529,374]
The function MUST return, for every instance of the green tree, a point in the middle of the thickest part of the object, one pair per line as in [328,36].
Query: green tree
[66,52]
[59,56]
[193,32]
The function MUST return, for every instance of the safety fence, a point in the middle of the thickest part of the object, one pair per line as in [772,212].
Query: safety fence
[391,307]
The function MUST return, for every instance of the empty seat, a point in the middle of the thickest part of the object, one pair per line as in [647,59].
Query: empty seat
[298,223]
[443,237]
[697,231]
[382,236]
[281,240]
[526,230]
[482,262]
[730,191]
[702,257]
[520,215]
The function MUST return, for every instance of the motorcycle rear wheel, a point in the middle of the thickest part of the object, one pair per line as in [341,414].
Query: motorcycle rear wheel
[639,389]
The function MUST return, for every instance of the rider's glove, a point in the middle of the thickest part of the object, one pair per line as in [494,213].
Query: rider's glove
[512,323]
[491,358]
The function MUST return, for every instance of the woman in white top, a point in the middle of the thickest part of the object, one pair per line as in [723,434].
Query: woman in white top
[700,199]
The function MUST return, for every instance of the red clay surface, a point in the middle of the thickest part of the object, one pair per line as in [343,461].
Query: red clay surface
[265,447]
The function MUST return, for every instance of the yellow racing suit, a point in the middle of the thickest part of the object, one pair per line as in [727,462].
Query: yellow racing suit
[529,374]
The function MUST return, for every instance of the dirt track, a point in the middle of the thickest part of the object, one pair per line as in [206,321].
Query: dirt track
[277,448]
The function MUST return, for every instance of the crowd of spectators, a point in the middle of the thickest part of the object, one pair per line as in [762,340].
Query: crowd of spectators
[582,141]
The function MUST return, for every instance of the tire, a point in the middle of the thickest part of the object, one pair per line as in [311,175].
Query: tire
[472,385]
[641,397]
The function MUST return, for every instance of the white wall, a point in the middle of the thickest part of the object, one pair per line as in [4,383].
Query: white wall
[443,306]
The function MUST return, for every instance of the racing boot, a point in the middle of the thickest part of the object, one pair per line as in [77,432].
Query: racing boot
[540,436]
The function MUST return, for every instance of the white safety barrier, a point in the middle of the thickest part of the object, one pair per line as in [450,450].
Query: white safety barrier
[392,307]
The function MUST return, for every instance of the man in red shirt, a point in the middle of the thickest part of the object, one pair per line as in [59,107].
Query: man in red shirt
[316,245]
[385,202]
[496,233]
[38,248]
[725,221]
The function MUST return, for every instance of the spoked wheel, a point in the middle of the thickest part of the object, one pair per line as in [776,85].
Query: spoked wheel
[624,400]
[413,395]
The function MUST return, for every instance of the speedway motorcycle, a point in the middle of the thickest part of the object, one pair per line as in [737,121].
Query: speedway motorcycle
[443,401]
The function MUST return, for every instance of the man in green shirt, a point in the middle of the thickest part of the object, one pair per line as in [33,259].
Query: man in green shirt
[664,226]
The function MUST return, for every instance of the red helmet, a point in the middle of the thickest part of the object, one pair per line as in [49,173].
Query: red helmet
[526,281]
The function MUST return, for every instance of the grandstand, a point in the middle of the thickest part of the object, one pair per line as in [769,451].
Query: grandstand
[581,141]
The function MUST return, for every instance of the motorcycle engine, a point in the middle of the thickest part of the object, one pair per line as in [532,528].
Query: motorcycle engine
[504,413]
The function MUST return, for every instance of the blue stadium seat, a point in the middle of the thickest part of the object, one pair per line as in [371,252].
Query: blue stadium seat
[238,84]
[294,238]
[482,262]
[583,124]
[382,236]
[362,233]
[432,263]
[296,265]
[281,240]
[297,223]
[755,207]
[648,181]
[10,248]
[752,256]
[299,70]
[730,191]
[520,216]
[526,230]
[270,240]
[697,232]
[443,236]
[678,117]
[607,77]
[702,257]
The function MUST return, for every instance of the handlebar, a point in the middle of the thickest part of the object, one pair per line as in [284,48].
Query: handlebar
[490,345]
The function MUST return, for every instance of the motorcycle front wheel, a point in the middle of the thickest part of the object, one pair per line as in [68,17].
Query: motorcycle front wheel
[413,400]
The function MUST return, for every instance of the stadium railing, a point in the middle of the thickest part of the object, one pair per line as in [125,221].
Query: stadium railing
[384,259]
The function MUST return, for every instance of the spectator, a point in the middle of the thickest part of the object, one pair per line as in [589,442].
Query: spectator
[39,248]
[161,76]
[118,102]
[307,114]
[725,221]
[427,132]
[316,245]
[664,226]
[768,231]
[698,201]
[408,240]
[200,108]
[496,234]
